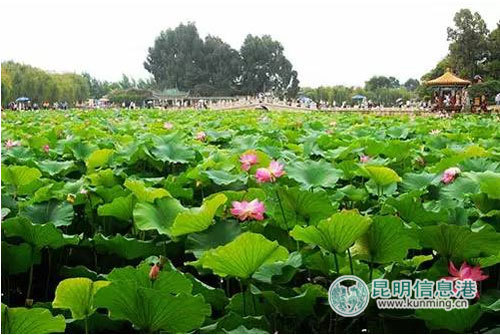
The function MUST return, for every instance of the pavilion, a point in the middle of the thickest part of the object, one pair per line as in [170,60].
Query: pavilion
[449,92]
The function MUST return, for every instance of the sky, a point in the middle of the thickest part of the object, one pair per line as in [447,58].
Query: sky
[329,42]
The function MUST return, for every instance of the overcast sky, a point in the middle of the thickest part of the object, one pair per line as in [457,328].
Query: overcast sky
[329,42]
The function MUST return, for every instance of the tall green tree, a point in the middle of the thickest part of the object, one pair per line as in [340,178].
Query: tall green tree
[493,62]
[377,82]
[176,59]
[265,67]
[221,67]
[468,47]
[411,84]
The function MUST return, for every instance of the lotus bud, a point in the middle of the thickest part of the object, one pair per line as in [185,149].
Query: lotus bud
[154,272]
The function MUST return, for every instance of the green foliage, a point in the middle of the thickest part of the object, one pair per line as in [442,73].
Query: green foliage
[77,294]
[243,256]
[20,320]
[117,189]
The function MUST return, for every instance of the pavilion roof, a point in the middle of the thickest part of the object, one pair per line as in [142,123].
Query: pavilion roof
[448,79]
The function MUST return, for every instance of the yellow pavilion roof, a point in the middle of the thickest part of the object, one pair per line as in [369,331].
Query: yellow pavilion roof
[448,79]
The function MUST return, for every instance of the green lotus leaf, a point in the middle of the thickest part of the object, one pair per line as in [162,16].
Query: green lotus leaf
[143,193]
[489,183]
[335,234]
[214,296]
[79,271]
[280,272]
[385,241]
[5,212]
[490,300]
[20,320]
[38,235]
[314,174]
[353,193]
[243,256]
[299,206]
[221,177]
[159,216]
[299,306]
[104,178]
[170,149]
[460,189]
[98,158]
[53,211]
[197,219]
[172,282]
[162,304]
[53,168]
[152,310]
[409,208]
[18,258]
[77,295]
[81,150]
[382,175]
[218,234]
[417,181]
[456,320]
[19,175]
[232,320]
[121,208]
[109,194]
[458,242]
[128,248]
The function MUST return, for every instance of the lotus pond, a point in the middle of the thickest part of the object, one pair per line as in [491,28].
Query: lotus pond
[239,221]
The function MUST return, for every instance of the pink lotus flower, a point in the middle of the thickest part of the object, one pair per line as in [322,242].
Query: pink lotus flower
[450,175]
[46,148]
[168,125]
[201,136]
[271,173]
[364,158]
[248,210]
[263,175]
[10,144]
[247,160]
[466,272]
[154,272]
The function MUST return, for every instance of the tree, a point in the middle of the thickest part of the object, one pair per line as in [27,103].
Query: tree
[265,67]
[41,86]
[411,84]
[493,62]
[377,82]
[176,59]
[468,47]
[126,82]
[221,67]
[6,87]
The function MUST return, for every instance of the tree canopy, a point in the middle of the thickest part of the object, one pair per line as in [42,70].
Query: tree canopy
[180,59]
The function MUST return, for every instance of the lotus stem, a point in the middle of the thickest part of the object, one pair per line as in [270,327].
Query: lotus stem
[350,261]
[336,263]
[86,324]
[281,207]
[244,299]
[49,269]
[30,283]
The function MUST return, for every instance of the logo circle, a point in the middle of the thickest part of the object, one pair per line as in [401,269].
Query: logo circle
[348,301]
